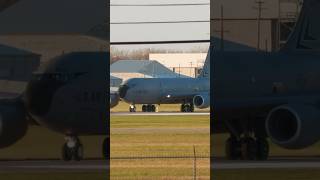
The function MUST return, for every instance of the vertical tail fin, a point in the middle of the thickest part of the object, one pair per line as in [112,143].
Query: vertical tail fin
[306,35]
[205,73]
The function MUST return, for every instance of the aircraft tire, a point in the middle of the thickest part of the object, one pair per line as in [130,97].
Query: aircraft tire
[144,108]
[153,108]
[262,149]
[78,152]
[232,149]
[149,108]
[66,153]
[191,108]
[105,148]
[182,108]
[248,148]
[187,108]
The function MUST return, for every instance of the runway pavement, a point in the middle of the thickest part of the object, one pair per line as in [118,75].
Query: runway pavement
[159,114]
[101,166]
[282,163]
[53,166]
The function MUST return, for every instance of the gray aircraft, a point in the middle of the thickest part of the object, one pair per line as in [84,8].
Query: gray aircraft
[189,92]
[67,96]
[260,95]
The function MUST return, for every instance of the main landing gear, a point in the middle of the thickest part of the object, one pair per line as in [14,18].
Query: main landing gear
[145,108]
[149,108]
[247,148]
[247,143]
[73,149]
[187,107]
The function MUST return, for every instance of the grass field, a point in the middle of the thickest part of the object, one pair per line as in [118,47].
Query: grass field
[124,107]
[159,147]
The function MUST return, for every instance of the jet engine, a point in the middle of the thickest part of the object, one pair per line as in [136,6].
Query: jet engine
[114,99]
[294,126]
[13,122]
[201,101]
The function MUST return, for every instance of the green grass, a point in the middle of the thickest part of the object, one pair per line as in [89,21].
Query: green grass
[54,176]
[159,136]
[266,174]
[158,169]
[159,121]
[124,107]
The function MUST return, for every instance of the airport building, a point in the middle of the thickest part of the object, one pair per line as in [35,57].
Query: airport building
[48,36]
[16,67]
[188,64]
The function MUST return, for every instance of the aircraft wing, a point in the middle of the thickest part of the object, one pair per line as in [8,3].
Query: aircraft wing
[114,97]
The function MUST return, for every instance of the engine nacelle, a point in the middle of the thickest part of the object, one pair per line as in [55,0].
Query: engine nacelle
[13,123]
[201,101]
[294,126]
[114,99]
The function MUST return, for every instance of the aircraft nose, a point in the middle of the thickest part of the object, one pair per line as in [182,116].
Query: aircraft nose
[123,89]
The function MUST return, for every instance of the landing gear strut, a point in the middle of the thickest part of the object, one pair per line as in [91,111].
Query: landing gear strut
[246,143]
[187,107]
[149,108]
[72,149]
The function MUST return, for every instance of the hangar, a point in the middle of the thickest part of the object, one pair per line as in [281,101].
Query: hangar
[49,33]
[126,69]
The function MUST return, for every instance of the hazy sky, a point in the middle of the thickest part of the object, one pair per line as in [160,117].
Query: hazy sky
[159,32]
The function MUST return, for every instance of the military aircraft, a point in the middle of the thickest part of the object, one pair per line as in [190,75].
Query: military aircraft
[260,95]
[189,92]
[67,96]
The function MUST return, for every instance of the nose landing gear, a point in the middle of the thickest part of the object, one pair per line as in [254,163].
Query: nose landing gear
[132,108]
[72,149]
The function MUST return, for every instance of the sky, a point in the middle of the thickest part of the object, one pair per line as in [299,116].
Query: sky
[159,32]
